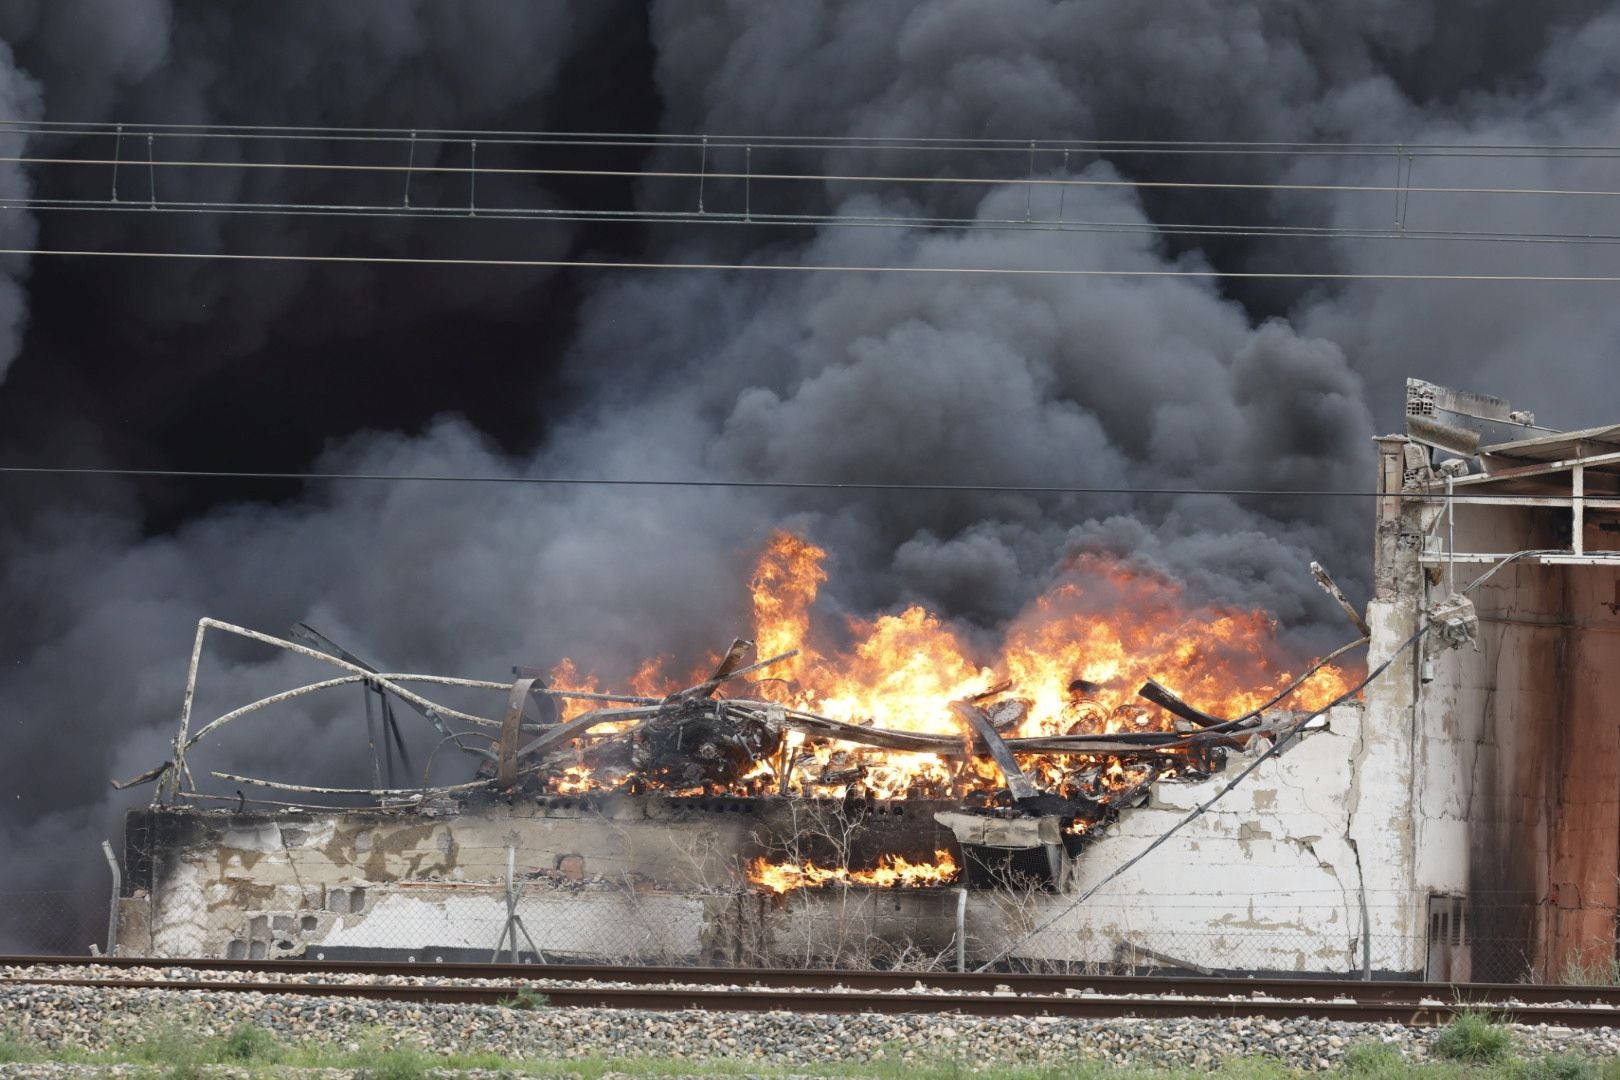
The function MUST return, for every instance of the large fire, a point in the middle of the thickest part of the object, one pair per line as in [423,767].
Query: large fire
[1070,663]
[891,872]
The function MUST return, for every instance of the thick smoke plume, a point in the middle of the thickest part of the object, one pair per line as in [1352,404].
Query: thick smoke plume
[1157,382]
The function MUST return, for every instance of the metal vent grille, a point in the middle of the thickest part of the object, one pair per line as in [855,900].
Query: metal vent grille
[1451,937]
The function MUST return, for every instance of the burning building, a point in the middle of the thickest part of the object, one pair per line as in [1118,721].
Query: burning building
[1133,780]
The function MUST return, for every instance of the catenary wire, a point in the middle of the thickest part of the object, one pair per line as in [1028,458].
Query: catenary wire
[713,217]
[854,178]
[982,271]
[695,140]
[691,482]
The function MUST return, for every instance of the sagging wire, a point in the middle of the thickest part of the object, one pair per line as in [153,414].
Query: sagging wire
[455,737]
[1198,811]
[1298,731]
[1254,713]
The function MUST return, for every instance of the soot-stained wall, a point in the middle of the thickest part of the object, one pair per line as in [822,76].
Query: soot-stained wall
[1516,797]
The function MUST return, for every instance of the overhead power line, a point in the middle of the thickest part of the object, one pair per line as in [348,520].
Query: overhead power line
[816,220]
[1048,182]
[693,482]
[697,140]
[985,271]
[1044,166]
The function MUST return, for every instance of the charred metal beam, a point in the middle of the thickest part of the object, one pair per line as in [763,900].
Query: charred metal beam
[708,686]
[314,639]
[391,730]
[999,687]
[1331,587]
[579,725]
[371,743]
[1166,699]
[517,704]
[979,724]
[144,778]
[1025,795]
[724,670]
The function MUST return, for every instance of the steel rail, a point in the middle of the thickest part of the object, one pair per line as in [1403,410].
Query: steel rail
[1420,1012]
[852,989]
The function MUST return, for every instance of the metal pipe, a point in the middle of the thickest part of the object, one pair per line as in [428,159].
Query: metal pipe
[509,933]
[326,658]
[371,739]
[1451,539]
[117,891]
[180,743]
[1577,502]
[961,928]
[344,680]
[279,786]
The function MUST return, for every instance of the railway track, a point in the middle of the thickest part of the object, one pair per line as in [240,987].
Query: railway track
[830,991]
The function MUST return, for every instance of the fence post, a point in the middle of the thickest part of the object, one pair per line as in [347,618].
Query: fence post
[112,906]
[961,928]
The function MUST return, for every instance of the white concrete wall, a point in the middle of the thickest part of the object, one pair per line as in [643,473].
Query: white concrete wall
[1270,878]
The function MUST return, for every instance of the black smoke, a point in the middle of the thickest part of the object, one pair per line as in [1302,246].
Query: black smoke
[1163,382]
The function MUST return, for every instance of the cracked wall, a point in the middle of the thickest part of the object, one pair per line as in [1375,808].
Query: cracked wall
[1515,800]
[643,879]
[1268,879]
[1479,783]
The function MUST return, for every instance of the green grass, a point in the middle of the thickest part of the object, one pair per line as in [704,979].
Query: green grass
[173,1053]
[1557,1067]
[12,1050]
[250,1044]
[166,1048]
[1374,1060]
[392,1063]
[1475,1038]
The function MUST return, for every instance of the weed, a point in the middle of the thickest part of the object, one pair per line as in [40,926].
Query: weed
[1601,973]
[1474,1037]
[1557,1067]
[526,998]
[250,1043]
[177,1052]
[377,1061]
[12,1051]
[1373,1059]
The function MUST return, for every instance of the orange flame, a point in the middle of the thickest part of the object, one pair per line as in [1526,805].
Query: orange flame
[787,577]
[1075,658]
[891,872]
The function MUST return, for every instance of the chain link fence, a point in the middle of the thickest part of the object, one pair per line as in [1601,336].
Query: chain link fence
[53,922]
[556,918]
[559,913]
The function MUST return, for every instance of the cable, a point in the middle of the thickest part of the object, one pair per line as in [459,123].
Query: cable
[819,178]
[714,217]
[790,485]
[978,271]
[1297,731]
[650,140]
[1293,733]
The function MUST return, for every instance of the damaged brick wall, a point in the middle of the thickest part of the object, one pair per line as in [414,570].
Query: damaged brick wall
[610,878]
[1271,880]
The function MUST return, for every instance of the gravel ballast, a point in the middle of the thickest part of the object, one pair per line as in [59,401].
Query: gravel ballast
[96,1019]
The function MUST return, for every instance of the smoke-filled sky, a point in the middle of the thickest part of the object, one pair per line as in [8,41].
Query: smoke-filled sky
[1181,382]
